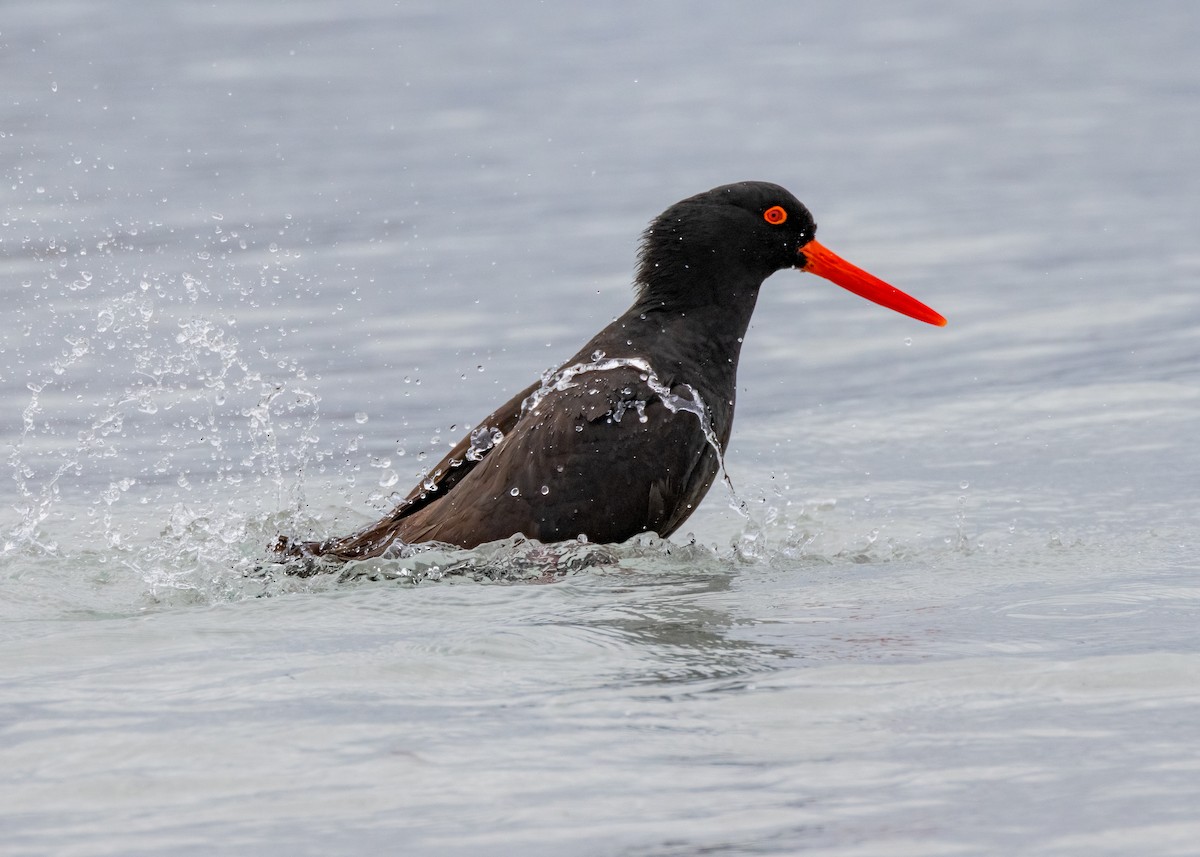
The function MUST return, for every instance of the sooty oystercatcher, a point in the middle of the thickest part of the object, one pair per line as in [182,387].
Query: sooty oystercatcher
[627,436]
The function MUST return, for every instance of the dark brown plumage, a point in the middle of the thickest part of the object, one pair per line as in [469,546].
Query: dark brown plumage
[625,436]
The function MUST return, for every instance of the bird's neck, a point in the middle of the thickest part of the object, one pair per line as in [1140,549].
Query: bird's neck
[705,315]
[691,341]
[707,337]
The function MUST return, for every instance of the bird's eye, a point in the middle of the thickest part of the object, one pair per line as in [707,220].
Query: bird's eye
[775,215]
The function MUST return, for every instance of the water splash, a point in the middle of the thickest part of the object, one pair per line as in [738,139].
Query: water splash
[513,560]
[150,405]
[482,440]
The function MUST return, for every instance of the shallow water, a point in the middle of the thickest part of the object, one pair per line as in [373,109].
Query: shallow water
[264,262]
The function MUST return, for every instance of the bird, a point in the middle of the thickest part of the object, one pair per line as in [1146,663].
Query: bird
[628,435]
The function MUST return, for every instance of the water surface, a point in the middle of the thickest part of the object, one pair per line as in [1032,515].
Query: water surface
[264,262]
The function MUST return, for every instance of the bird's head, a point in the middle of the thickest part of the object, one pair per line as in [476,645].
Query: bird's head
[719,243]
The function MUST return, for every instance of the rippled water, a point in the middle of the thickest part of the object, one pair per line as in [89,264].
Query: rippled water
[264,262]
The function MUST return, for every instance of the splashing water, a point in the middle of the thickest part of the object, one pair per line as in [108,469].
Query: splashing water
[511,560]
[188,424]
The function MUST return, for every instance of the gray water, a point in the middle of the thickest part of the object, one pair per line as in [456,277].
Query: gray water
[262,262]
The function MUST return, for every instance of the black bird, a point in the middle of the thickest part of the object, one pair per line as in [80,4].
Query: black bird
[627,436]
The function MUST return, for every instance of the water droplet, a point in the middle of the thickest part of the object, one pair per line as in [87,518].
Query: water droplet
[516,492]
[908,340]
[361,417]
[964,485]
[545,489]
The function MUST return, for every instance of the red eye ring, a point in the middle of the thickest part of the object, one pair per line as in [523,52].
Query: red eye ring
[775,215]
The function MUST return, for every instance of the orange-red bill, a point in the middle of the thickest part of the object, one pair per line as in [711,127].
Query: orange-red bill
[825,263]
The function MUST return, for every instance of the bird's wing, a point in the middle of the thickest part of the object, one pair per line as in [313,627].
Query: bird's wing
[655,465]
[605,455]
